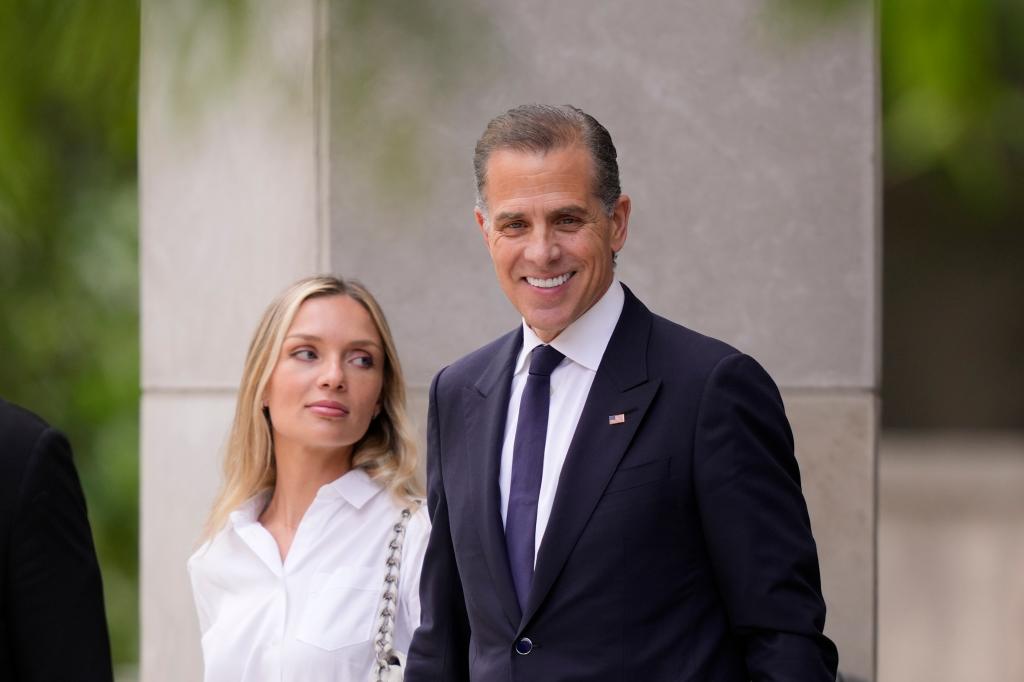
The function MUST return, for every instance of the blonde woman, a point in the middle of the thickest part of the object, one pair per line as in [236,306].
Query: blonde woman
[320,483]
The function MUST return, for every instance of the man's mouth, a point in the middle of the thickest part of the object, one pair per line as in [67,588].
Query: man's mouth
[550,283]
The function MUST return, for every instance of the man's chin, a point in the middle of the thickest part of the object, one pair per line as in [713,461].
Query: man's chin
[546,328]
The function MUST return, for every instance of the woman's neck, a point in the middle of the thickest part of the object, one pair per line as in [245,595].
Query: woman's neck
[300,474]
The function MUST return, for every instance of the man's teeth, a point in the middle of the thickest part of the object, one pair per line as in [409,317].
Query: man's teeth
[548,283]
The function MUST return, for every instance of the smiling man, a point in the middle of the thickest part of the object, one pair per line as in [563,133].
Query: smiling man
[613,495]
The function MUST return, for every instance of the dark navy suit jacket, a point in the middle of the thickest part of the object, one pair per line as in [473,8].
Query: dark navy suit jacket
[678,547]
[52,623]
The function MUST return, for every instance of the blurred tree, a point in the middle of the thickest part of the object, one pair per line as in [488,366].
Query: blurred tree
[953,96]
[68,262]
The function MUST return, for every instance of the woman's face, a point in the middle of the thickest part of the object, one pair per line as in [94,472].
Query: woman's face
[326,386]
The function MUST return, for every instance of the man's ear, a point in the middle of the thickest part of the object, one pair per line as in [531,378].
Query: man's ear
[620,222]
[481,222]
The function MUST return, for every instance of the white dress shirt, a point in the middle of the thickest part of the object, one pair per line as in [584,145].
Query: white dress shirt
[583,344]
[311,618]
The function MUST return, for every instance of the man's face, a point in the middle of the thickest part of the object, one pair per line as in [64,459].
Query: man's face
[549,235]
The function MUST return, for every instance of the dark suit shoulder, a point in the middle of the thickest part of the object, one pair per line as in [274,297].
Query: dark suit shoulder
[676,350]
[670,346]
[472,366]
[20,433]
[702,345]
[19,429]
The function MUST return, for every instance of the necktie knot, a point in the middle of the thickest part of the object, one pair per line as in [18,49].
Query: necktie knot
[543,360]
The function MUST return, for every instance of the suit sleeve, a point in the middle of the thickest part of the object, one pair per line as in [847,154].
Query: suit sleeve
[757,528]
[440,647]
[58,626]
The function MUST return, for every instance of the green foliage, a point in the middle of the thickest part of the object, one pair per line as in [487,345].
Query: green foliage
[954,95]
[68,257]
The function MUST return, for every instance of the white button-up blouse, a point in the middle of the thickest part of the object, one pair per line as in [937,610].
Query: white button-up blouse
[312,617]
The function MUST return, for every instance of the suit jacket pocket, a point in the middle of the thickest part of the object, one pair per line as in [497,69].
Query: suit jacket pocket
[635,476]
[341,608]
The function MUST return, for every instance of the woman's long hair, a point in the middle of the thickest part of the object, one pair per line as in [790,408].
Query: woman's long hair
[387,452]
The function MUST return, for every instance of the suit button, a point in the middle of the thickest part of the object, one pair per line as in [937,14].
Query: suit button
[524,646]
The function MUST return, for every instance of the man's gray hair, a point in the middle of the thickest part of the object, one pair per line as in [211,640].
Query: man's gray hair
[541,128]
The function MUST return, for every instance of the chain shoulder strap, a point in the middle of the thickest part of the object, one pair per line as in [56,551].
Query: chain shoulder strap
[385,655]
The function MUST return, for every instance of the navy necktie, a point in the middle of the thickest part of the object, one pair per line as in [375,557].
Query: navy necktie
[527,469]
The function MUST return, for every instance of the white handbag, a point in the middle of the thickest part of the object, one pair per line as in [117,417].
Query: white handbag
[389,665]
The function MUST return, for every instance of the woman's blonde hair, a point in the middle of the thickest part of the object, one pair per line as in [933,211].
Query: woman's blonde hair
[387,452]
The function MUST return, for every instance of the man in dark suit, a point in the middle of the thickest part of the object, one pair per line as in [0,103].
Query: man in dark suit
[614,496]
[52,624]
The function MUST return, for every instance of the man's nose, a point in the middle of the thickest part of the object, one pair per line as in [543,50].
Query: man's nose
[542,247]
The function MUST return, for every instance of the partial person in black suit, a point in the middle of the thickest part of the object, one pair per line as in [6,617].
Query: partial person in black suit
[52,622]
[667,535]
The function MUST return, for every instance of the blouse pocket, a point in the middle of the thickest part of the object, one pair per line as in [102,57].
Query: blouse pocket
[341,608]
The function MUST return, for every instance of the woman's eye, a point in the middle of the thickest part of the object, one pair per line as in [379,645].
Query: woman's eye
[365,361]
[304,354]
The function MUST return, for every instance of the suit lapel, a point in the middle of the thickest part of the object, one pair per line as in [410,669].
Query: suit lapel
[486,413]
[621,387]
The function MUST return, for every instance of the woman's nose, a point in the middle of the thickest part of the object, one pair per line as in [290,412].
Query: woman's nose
[333,376]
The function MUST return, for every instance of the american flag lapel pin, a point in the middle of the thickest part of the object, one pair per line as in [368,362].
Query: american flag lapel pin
[616,419]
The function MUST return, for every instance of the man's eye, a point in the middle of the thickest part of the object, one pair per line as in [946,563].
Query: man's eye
[514,225]
[568,220]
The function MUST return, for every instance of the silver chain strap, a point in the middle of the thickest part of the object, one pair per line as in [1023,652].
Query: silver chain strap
[383,644]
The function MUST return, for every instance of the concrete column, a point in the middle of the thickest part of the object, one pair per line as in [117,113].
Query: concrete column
[231,152]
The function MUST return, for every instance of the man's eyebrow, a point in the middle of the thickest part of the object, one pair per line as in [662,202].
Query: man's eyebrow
[574,209]
[508,215]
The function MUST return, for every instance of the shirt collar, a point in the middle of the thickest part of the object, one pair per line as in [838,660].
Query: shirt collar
[355,487]
[585,340]
[250,510]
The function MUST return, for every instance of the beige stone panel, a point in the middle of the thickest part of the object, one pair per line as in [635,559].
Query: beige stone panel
[418,398]
[183,433]
[228,174]
[835,434]
[750,155]
[951,557]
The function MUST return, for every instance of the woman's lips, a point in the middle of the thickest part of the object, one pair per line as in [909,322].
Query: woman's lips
[328,408]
